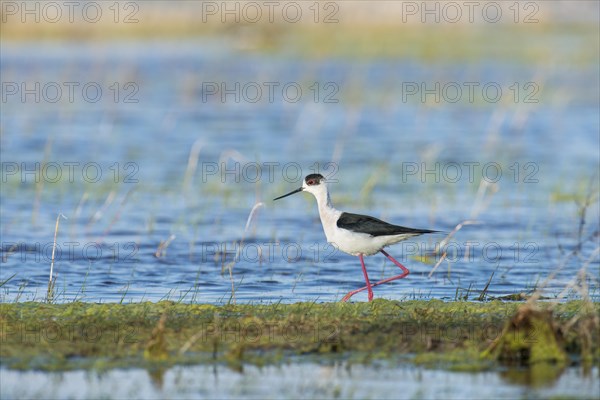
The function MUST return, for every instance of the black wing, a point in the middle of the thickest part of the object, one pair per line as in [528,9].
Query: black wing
[374,226]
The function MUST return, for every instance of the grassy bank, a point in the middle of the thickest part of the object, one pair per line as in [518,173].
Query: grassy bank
[457,335]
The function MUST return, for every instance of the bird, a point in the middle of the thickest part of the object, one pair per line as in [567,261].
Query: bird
[356,234]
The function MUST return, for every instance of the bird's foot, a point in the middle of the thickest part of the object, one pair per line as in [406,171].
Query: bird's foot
[352,293]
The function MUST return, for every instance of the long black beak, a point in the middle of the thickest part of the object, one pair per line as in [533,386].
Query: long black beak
[289,194]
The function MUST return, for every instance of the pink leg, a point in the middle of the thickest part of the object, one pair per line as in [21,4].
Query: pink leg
[405,272]
[368,287]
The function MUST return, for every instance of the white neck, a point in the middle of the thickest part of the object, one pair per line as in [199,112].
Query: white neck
[327,213]
[324,201]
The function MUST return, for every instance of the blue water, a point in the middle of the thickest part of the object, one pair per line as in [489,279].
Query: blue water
[114,164]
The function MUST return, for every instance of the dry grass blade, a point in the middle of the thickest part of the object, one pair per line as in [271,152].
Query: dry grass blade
[437,264]
[49,294]
[445,241]
[192,164]
[230,265]
[162,247]
[251,215]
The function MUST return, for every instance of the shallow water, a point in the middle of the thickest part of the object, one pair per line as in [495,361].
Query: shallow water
[305,380]
[117,171]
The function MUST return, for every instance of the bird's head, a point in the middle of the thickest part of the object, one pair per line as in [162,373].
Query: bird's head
[313,183]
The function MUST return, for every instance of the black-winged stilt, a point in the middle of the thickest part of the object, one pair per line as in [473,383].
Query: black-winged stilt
[355,234]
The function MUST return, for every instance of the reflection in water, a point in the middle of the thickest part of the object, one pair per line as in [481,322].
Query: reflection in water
[304,379]
[157,377]
[538,375]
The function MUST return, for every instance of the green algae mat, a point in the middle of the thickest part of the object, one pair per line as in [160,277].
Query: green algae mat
[453,335]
